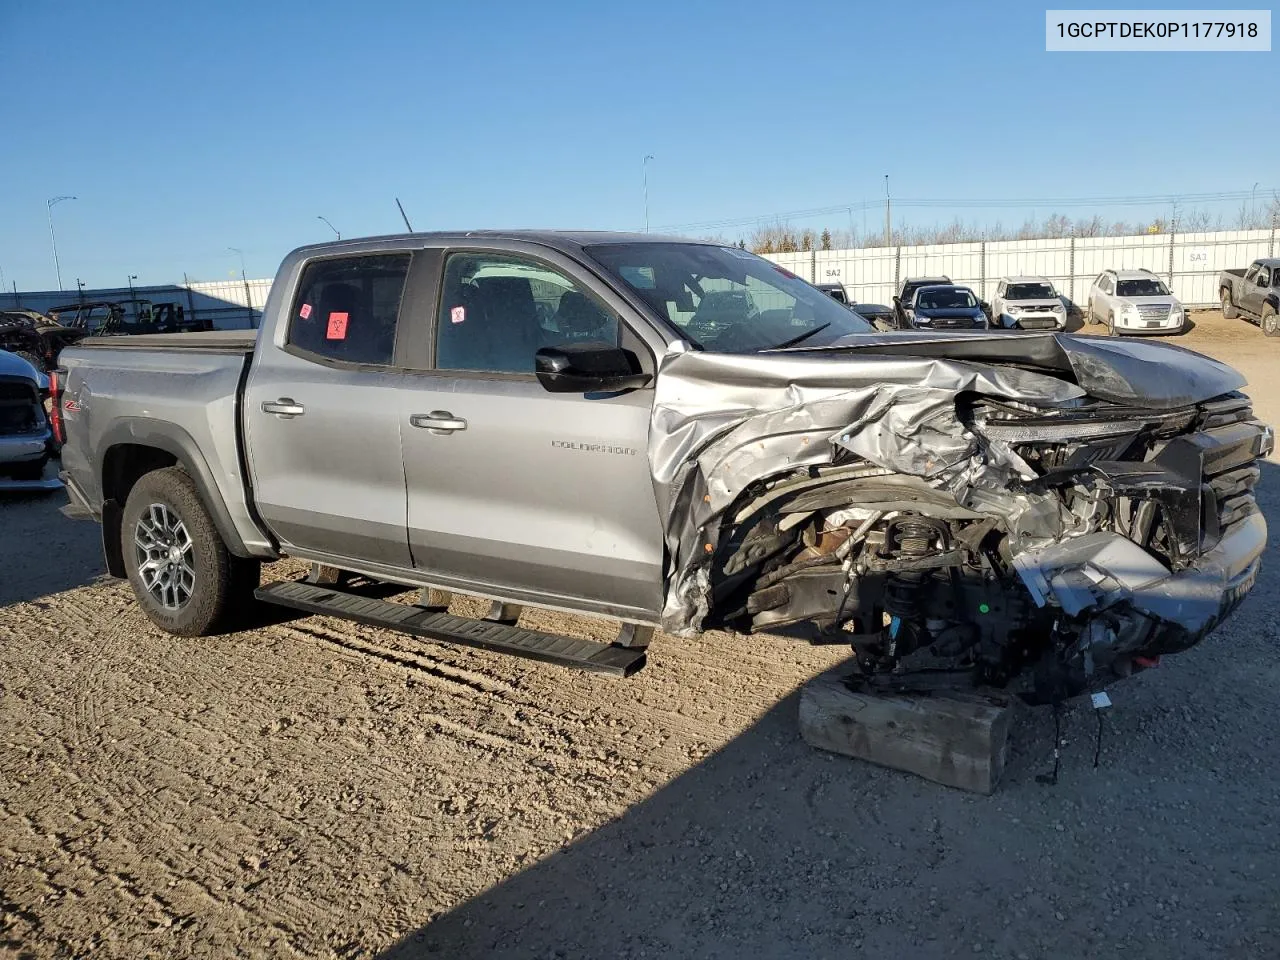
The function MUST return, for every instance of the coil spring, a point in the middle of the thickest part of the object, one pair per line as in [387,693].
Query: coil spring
[909,537]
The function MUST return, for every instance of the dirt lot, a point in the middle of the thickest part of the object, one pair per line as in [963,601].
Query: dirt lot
[314,788]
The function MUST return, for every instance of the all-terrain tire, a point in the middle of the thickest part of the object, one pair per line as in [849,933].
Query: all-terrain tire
[220,584]
[1228,308]
[1269,322]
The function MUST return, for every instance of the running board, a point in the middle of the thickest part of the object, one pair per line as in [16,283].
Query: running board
[612,659]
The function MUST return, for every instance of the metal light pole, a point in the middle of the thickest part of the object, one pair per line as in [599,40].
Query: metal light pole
[132,277]
[644,166]
[330,226]
[248,297]
[49,205]
[888,217]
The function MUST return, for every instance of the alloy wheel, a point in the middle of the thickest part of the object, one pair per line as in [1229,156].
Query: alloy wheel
[165,556]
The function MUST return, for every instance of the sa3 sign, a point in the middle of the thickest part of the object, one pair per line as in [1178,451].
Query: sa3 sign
[1199,256]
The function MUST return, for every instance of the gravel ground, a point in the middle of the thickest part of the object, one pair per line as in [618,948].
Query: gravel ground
[317,788]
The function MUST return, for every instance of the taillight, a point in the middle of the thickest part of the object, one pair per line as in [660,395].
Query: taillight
[56,378]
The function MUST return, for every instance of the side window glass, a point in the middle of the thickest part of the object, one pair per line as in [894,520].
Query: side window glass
[1264,277]
[346,308]
[497,311]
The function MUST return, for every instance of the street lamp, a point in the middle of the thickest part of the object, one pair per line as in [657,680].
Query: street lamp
[644,166]
[132,277]
[330,226]
[49,205]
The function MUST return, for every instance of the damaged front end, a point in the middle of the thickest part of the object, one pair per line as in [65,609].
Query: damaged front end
[962,523]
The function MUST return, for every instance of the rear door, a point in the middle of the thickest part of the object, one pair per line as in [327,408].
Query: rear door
[321,414]
[513,490]
[1255,288]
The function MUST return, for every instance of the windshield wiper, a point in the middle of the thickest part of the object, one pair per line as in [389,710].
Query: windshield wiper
[799,338]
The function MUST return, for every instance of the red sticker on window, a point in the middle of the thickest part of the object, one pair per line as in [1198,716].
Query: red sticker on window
[337,327]
[458,314]
[305,311]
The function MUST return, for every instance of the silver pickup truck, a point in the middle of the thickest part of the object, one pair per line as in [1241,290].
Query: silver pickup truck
[675,434]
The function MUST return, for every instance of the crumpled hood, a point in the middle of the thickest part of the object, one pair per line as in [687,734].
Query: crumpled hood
[722,422]
[1159,376]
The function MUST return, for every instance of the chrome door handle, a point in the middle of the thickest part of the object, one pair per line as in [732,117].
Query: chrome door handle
[441,421]
[284,407]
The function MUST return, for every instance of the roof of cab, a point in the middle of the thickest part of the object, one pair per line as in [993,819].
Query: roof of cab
[567,240]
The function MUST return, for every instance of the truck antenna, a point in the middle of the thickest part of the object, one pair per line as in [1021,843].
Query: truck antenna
[402,216]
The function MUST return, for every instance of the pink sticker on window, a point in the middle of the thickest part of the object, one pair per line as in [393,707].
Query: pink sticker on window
[305,311]
[458,314]
[337,329]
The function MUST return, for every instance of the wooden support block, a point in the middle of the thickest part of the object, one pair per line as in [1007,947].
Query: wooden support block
[434,599]
[957,738]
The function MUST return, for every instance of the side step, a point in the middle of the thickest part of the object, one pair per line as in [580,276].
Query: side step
[612,659]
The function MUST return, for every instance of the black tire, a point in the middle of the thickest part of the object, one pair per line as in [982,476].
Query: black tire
[1228,308]
[31,358]
[209,585]
[1111,326]
[1269,322]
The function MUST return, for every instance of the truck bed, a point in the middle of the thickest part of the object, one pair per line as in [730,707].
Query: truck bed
[213,341]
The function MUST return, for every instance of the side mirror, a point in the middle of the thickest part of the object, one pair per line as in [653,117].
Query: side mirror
[588,368]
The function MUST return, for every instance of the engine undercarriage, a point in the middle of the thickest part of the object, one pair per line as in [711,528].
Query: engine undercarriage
[1098,554]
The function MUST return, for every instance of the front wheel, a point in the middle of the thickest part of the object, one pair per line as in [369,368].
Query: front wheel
[1269,322]
[185,579]
[1111,326]
[1228,308]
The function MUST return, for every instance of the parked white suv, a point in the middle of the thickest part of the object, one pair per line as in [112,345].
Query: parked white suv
[1134,301]
[1028,303]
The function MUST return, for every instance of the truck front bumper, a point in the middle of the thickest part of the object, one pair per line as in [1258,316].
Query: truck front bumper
[1107,575]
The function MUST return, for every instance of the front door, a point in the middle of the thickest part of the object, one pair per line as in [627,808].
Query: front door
[322,417]
[513,490]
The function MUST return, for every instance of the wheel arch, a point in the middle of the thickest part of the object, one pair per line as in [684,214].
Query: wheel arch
[134,447]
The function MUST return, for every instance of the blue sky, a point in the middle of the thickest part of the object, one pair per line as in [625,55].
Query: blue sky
[185,129]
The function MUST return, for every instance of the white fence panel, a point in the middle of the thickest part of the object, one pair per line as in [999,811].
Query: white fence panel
[1189,262]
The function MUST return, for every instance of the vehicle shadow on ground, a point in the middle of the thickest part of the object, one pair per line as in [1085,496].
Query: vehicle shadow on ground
[769,848]
[42,554]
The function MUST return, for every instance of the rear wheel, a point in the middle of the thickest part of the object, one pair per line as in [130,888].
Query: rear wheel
[1228,308]
[185,579]
[1270,323]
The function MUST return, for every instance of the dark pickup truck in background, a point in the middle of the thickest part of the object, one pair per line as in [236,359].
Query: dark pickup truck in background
[1254,294]
[676,434]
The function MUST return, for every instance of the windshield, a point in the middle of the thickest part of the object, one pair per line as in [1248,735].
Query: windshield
[1030,291]
[1141,288]
[725,299]
[955,298]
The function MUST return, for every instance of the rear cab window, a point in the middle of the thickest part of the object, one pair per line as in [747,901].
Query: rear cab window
[346,308]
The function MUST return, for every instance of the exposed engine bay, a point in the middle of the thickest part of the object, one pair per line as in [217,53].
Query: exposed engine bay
[986,530]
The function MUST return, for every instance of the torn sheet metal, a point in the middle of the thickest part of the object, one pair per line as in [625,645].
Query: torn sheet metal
[724,421]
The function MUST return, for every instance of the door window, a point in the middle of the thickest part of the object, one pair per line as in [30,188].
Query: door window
[1264,277]
[498,310]
[346,308]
